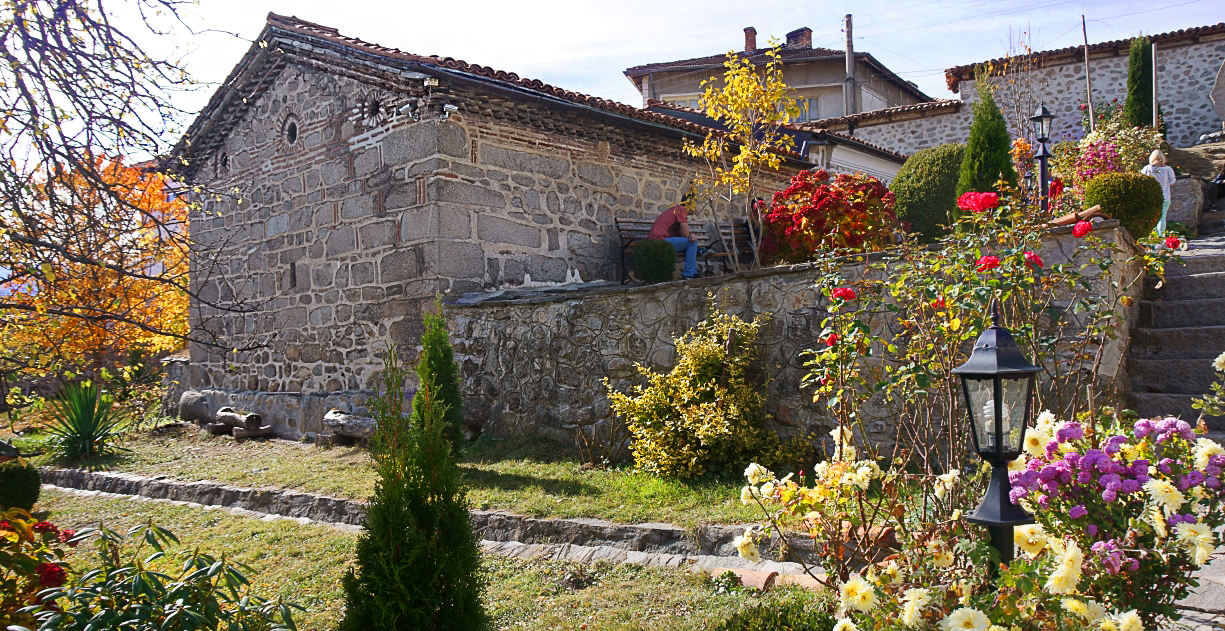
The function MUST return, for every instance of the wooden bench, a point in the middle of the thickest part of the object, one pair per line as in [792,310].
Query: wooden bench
[634,231]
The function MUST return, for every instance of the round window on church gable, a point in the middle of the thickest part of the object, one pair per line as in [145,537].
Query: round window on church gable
[290,130]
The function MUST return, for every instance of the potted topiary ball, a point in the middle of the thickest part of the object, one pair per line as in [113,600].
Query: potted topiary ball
[1134,199]
[655,260]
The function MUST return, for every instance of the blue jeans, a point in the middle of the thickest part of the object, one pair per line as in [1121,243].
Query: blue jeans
[690,248]
[1165,209]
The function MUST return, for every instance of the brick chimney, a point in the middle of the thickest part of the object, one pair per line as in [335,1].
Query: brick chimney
[800,38]
[750,39]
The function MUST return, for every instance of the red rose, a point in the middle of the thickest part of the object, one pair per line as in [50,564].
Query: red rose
[5,525]
[988,263]
[938,303]
[46,526]
[845,294]
[832,339]
[67,534]
[1173,242]
[1081,229]
[51,575]
[978,202]
[1033,260]
[1056,188]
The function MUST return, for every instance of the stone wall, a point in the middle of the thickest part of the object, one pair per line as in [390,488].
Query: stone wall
[537,363]
[1185,75]
[345,219]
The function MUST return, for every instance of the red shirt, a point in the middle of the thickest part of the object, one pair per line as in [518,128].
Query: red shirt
[668,223]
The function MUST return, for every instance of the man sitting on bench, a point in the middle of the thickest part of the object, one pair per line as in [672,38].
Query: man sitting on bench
[672,225]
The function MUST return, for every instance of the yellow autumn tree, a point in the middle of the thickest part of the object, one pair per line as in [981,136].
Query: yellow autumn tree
[113,284]
[751,104]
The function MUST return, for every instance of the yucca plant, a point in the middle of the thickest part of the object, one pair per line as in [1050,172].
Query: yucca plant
[86,423]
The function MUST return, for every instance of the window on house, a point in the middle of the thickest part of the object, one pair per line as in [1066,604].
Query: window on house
[810,109]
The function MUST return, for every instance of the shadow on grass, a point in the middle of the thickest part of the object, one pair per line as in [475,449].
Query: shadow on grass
[518,447]
[478,478]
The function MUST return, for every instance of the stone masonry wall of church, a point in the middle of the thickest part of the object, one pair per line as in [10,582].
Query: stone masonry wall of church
[1185,76]
[334,244]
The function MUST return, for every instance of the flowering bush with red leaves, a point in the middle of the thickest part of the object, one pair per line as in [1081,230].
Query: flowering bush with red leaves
[978,202]
[816,213]
[31,560]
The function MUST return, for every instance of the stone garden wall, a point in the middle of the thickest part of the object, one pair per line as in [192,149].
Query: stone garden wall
[1186,73]
[536,362]
[343,219]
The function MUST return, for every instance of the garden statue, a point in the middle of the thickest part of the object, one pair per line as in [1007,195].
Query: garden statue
[1165,176]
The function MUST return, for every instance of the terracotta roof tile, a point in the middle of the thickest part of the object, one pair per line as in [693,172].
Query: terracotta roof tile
[938,105]
[759,55]
[955,75]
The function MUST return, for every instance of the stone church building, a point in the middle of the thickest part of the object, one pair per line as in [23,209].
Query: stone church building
[350,183]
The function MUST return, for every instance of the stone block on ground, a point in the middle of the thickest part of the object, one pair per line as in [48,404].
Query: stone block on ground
[242,432]
[350,425]
[218,429]
[236,418]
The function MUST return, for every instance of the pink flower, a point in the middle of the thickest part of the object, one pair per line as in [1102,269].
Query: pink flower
[1081,229]
[1173,242]
[988,263]
[845,294]
[1033,260]
[66,535]
[832,339]
[978,202]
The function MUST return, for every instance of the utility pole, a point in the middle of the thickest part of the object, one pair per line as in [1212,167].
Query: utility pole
[848,84]
[1153,67]
[1088,82]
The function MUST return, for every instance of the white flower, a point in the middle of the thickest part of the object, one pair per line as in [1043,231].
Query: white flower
[1129,621]
[757,474]
[857,594]
[845,624]
[1095,611]
[767,489]
[1045,422]
[1067,574]
[845,452]
[944,483]
[912,615]
[859,478]
[747,494]
[1073,606]
[1219,362]
[1164,494]
[746,547]
[966,619]
[1205,449]
[920,596]
[1018,464]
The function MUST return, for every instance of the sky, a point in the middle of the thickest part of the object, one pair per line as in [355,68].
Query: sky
[585,46]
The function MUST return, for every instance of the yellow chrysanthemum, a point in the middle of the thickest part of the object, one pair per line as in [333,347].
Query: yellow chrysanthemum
[845,624]
[1035,442]
[1030,538]
[1129,621]
[912,615]
[1205,449]
[1076,607]
[1045,422]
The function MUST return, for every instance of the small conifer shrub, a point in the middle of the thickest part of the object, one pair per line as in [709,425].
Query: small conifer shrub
[925,190]
[437,365]
[1138,108]
[655,260]
[418,561]
[987,159]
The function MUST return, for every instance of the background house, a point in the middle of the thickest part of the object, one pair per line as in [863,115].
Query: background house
[818,77]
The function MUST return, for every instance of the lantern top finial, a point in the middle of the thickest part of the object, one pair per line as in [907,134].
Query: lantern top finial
[995,312]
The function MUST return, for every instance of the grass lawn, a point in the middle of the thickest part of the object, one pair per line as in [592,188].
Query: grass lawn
[301,564]
[524,476]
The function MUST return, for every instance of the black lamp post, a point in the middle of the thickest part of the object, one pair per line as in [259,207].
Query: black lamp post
[1029,185]
[998,384]
[1042,132]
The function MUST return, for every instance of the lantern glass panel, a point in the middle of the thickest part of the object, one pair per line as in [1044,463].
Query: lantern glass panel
[980,394]
[1015,396]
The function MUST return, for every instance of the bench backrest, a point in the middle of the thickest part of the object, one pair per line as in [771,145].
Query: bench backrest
[634,230]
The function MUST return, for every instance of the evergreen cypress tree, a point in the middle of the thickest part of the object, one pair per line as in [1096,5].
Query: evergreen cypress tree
[418,560]
[1139,105]
[437,365]
[987,158]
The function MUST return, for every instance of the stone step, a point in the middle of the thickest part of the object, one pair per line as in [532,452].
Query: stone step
[1212,223]
[1161,405]
[1209,286]
[1195,262]
[1182,313]
[1171,376]
[1194,342]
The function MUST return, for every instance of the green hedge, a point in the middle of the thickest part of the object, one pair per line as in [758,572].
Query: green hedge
[926,190]
[1133,198]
